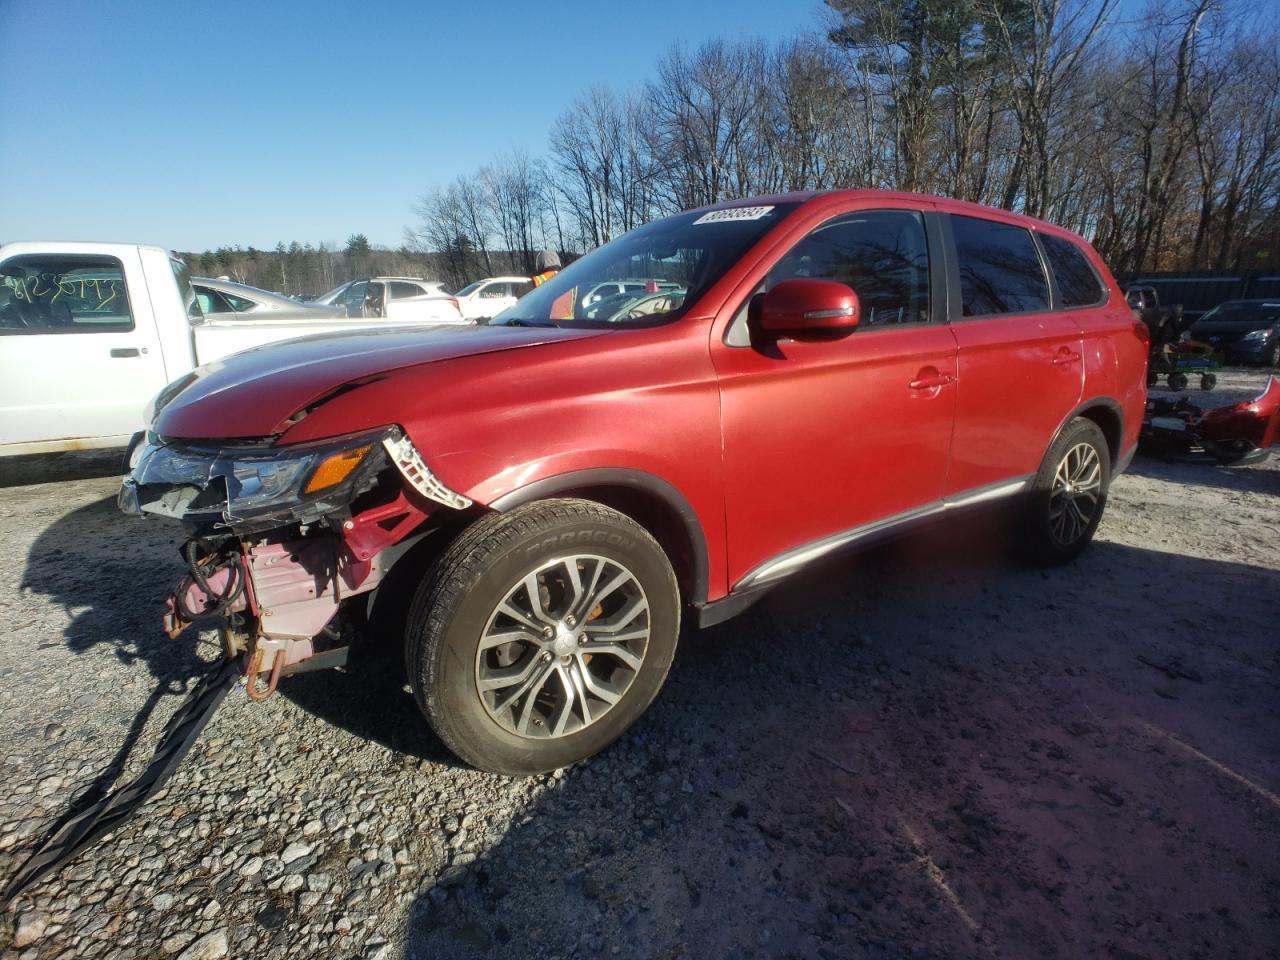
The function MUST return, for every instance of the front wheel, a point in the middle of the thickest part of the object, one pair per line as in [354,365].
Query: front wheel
[541,635]
[1068,494]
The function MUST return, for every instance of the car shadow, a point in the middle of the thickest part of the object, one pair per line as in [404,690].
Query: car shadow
[921,751]
[110,573]
[371,700]
[54,467]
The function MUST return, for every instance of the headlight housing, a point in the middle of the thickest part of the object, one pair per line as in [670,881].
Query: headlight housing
[1257,336]
[240,486]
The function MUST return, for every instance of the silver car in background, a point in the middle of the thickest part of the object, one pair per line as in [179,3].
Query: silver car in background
[227,300]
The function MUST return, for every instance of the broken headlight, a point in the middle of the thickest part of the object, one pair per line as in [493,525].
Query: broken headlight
[239,485]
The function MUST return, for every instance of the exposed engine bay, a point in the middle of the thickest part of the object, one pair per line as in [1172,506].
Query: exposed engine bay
[287,545]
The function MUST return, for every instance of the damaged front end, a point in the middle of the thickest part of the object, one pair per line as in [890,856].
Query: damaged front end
[287,543]
[1230,435]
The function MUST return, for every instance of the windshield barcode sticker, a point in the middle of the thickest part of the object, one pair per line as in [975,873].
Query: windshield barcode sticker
[732,214]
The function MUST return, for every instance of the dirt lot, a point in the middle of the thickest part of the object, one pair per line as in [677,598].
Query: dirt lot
[926,751]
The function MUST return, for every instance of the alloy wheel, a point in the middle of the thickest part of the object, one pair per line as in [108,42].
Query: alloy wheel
[562,646]
[1075,497]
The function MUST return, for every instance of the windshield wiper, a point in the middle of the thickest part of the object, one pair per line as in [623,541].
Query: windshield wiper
[523,322]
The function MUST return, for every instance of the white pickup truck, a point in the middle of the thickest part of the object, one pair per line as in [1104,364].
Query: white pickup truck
[90,332]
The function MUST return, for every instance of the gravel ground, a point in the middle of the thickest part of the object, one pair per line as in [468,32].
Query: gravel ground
[925,751]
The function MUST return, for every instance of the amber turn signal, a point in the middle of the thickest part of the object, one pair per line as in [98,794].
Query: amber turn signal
[336,468]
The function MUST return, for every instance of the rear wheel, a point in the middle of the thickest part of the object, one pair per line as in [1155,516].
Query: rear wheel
[1178,381]
[1068,494]
[542,634]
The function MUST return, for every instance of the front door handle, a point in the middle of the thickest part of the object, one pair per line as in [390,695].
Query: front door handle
[121,352]
[930,379]
[1065,355]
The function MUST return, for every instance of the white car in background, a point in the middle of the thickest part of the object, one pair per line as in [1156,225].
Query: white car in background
[489,297]
[398,299]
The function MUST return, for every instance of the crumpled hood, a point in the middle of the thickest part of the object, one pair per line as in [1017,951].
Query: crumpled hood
[252,394]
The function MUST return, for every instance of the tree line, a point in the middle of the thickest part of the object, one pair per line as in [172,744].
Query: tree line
[305,270]
[1157,137]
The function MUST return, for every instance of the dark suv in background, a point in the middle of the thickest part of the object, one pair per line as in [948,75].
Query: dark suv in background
[1245,331]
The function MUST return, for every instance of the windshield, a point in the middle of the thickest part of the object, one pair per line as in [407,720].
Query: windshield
[469,288]
[649,275]
[1239,312]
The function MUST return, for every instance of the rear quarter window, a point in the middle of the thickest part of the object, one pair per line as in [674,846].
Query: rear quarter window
[1000,269]
[1078,285]
[64,293]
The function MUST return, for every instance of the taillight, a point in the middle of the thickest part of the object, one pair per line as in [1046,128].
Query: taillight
[454,301]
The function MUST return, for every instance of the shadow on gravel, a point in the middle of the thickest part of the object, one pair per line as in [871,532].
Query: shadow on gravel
[1248,479]
[53,467]
[921,752]
[369,699]
[110,573]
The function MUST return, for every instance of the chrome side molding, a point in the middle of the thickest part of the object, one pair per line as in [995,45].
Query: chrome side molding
[791,561]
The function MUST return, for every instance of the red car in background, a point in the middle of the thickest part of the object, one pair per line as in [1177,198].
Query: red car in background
[536,503]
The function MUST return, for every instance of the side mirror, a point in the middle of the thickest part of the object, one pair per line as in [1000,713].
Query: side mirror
[806,308]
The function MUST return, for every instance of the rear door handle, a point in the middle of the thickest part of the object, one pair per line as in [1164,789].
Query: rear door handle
[1065,355]
[121,352]
[930,381]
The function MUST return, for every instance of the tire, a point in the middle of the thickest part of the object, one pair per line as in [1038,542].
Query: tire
[1274,359]
[1178,381]
[1052,533]
[1208,381]
[602,685]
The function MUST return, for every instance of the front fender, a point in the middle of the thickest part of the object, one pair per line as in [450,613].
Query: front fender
[647,483]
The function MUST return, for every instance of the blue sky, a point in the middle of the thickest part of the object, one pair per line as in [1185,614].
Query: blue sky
[196,125]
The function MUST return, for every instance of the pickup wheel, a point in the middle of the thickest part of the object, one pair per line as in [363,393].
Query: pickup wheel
[1068,494]
[540,635]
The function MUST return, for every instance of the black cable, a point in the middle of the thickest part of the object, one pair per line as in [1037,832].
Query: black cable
[219,602]
[78,830]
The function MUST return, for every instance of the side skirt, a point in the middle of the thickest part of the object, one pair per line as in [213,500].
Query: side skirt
[760,580]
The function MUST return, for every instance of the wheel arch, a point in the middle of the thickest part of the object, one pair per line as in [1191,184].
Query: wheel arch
[1107,414]
[648,500]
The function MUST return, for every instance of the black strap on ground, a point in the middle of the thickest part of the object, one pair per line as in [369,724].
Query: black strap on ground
[76,832]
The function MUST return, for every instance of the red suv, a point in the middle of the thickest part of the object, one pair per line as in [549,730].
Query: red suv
[533,504]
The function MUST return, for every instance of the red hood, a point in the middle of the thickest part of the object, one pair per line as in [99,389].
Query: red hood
[252,394]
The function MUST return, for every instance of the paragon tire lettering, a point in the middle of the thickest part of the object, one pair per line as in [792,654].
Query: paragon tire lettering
[598,537]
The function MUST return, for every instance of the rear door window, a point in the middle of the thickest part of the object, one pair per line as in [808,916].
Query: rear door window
[402,291]
[1000,269]
[239,304]
[212,301]
[67,293]
[1078,285]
